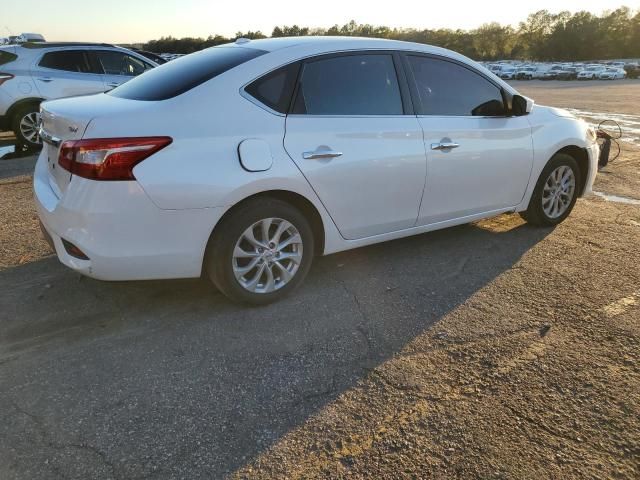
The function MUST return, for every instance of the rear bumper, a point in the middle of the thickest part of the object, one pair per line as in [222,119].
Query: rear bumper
[4,123]
[124,235]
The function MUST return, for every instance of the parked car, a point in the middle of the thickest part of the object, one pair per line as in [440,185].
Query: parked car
[171,56]
[29,37]
[33,72]
[508,73]
[590,72]
[189,168]
[158,59]
[568,73]
[527,73]
[632,70]
[612,73]
[553,72]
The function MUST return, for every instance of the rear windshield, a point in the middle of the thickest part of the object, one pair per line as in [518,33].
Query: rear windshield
[181,75]
[6,57]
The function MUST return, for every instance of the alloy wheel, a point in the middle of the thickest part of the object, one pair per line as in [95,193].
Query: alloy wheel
[558,191]
[29,127]
[267,255]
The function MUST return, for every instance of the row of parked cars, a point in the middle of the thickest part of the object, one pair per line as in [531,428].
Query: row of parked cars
[564,71]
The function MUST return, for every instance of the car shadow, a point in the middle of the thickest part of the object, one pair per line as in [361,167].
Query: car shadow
[167,377]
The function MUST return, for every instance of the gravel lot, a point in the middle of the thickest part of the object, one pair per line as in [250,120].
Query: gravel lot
[491,350]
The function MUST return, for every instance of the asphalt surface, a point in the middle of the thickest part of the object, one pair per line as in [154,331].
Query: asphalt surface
[167,378]
[170,380]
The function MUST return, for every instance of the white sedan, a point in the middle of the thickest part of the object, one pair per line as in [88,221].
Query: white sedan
[612,74]
[246,160]
[591,72]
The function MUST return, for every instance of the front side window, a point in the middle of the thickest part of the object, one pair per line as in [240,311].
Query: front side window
[119,63]
[349,85]
[67,60]
[447,88]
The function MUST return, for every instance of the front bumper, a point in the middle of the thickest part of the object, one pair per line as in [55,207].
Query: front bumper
[122,232]
[594,154]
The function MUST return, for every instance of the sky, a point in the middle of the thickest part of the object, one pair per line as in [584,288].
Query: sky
[131,21]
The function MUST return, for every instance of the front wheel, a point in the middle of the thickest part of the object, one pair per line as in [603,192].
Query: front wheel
[261,252]
[555,193]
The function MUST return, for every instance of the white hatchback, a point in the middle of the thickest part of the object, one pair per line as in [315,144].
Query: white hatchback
[246,160]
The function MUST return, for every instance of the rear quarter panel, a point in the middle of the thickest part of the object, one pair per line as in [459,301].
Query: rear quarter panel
[201,168]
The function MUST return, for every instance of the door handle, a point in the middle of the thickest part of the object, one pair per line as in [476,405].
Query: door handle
[444,146]
[45,79]
[113,85]
[321,152]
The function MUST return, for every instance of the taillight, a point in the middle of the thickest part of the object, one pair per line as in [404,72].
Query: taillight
[4,77]
[108,158]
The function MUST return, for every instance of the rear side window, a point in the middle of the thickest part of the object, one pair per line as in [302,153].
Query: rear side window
[349,85]
[275,88]
[119,63]
[446,88]
[181,75]
[6,57]
[67,60]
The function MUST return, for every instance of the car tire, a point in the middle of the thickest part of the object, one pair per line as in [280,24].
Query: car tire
[271,277]
[554,197]
[25,124]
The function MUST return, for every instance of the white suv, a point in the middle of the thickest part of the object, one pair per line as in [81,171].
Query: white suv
[33,72]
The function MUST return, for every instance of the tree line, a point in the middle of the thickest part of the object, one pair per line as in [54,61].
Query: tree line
[543,36]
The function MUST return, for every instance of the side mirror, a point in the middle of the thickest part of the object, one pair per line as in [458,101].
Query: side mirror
[521,105]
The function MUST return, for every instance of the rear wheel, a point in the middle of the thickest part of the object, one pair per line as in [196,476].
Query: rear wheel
[26,125]
[555,193]
[261,252]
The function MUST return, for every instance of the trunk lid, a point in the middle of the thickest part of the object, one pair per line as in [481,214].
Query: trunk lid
[68,119]
[61,121]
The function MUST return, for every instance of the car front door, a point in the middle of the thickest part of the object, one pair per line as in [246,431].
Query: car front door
[351,133]
[65,73]
[479,159]
[118,67]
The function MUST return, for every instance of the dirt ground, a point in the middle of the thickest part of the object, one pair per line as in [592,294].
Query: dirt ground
[494,350]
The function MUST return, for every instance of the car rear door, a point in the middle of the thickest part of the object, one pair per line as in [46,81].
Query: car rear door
[479,159]
[65,73]
[118,67]
[352,133]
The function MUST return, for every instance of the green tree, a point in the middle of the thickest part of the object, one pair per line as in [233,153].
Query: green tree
[542,36]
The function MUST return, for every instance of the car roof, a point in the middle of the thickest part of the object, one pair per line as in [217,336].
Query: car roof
[37,45]
[334,43]
[319,44]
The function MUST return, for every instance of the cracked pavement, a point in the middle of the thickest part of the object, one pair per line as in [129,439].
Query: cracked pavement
[491,350]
